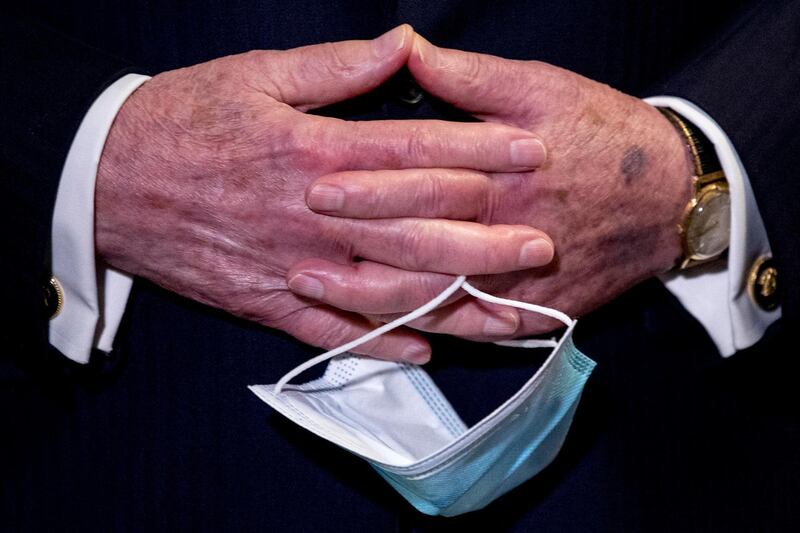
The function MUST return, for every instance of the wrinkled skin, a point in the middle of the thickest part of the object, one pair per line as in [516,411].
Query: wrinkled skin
[610,195]
[200,187]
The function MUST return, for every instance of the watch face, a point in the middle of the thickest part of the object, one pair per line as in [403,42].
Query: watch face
[709,225]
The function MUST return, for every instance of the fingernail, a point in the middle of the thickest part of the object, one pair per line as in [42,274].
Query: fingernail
[427,53]
[390,42]
[416,354]
[307,286]
[325,198]
[535,253]
[528,153]
[498,326]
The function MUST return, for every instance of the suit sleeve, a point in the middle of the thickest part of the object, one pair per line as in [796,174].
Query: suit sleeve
[748,81]
[47,83]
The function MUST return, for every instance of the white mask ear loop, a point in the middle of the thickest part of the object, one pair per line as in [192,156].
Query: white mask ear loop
[460,282]
[552,313]
[522,343]
[413,315]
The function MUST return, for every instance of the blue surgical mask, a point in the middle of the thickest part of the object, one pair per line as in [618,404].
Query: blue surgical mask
[394,416]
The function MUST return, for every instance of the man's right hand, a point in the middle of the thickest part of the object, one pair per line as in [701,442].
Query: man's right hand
[200,189]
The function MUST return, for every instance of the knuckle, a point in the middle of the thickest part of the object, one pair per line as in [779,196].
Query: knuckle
[476,68]
[507,234]
[269,73]
[253,62]
[282,142]
[309,144]
[432,285]
[380,348]
[482,73]
[327,333]
[333,61]
[518,89]
[357,146]
[502,80]
[270,311]
[430,197]
[328,63]
[417,147]
[338,240]
[378,202]
[499,250]
[553,83]
[412,248]
[329,338]
[486,200]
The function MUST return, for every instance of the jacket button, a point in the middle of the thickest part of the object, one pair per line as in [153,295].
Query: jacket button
[407,90]
[762,283]
[53,297]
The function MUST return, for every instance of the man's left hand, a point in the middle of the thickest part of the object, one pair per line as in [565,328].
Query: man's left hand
[610,195]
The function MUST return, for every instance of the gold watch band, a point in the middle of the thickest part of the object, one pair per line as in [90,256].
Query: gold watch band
[708,179]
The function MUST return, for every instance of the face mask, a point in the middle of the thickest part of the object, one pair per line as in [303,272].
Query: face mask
[394,416]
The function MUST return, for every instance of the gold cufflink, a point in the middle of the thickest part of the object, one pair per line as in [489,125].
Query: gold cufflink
[762,283]
[53,297]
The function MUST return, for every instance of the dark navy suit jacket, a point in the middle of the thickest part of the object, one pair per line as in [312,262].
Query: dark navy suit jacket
[163,434]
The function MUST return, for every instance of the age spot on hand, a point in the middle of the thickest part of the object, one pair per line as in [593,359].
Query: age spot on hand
[633,164]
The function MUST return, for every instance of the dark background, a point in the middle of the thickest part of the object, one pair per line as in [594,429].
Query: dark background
[163,434]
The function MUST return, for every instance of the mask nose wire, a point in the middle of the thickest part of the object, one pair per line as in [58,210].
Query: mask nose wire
[459,283]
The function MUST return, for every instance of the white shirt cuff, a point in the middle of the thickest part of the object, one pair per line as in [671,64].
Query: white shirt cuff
[716,295]
[95,295]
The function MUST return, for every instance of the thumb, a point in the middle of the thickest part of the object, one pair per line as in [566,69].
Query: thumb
[485,85]
[314,76]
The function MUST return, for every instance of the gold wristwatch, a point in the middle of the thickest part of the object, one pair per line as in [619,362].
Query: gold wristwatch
[705,229]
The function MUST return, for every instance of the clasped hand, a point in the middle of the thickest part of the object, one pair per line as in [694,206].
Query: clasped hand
[215,184]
